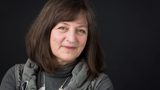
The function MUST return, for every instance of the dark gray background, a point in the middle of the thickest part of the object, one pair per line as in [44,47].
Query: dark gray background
[129,33]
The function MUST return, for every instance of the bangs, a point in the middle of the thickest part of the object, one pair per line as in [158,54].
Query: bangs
[65,10]
[69,15]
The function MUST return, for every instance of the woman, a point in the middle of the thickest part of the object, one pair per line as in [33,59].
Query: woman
[63,51]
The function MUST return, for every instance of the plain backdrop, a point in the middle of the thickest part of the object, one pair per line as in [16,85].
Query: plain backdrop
[129,34]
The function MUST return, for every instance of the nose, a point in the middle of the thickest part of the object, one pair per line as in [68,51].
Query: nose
[71,37]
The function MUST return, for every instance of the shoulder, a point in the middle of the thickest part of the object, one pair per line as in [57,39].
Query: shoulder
[9,81]
[12,77]
[102,82]
[10,73]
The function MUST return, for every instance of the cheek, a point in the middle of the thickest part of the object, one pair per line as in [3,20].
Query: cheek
[55,39]
[83,41]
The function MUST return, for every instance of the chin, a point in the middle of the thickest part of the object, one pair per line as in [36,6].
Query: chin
[68,60]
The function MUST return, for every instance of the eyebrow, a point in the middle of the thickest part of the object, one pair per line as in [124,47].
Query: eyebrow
[83,25]
[65,23]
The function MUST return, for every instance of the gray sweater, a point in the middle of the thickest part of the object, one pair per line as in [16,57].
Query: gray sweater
[53,81]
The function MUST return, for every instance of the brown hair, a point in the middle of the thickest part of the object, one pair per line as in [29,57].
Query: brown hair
[53,12]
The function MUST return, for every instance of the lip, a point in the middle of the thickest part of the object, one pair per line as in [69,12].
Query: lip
[69,47]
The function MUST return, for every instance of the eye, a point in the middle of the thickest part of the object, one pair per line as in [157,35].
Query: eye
[81,31]
[62,28]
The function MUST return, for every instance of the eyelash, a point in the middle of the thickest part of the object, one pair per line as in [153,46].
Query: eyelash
[81,31]
[64,29]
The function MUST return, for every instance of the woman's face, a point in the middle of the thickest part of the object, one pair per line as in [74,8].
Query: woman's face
[68,39]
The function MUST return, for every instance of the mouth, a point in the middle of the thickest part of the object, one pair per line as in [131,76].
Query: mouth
[69,47]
